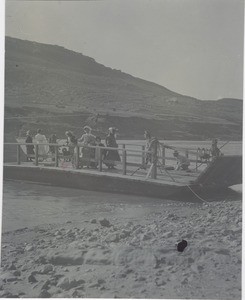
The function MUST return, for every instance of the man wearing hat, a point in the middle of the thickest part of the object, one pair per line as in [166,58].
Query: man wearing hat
[214,148]
[152,143]
[182,161]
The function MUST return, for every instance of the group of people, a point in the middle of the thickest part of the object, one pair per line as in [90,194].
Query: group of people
[182,162]
[89,156]
[153,146]
[40,139]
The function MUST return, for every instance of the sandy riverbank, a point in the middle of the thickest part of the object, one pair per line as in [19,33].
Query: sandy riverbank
[110,256]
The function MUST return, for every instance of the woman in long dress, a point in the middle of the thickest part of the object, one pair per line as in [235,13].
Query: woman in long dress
[87,139]
[41,139]
[111,155]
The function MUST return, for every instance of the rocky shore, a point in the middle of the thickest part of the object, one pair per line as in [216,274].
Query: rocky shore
[113,257]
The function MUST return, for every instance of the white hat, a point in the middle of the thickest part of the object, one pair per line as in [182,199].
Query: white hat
[112,129]
[87,127]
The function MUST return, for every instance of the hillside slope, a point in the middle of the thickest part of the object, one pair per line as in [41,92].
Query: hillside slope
[53,79]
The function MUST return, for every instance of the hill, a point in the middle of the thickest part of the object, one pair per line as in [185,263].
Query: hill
[58,89]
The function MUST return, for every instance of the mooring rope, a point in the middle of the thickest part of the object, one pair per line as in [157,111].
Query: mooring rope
[200,198]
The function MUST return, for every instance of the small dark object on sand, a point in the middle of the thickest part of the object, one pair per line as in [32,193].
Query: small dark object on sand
[181,245]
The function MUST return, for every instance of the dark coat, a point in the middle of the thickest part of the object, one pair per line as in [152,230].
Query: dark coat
[52,140]
[111,155]
[29,148]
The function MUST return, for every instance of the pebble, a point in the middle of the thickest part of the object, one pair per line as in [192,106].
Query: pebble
[104,222]
[11,279]
[141,278]
[64,283]
[9,295]
[101,281]
[200,268]
[57,233]
[112,237]
[222,251]
[69,232]
[167,234]
[32,279]
[190,260]
[138,230]
[47,269]
[126,233]
[92,239]
[24,267]
[184,281]
[160,282]
[46,285]
[12,267]
[77,294]
[128,224]
[146,236]
[16,273]
[29,248]
[44,294]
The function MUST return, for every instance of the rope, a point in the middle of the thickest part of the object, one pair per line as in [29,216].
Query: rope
[200,198]
[161,167]
[224,144]
[191,151]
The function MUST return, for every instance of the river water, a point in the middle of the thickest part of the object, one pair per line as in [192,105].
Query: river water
[27,204]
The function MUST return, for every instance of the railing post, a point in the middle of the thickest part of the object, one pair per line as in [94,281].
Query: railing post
[36,155]
[143,156]
[56,156]
[77,157]
[163,155]
[197,156]
[100,159]
[154,162]
[124,161]
[18,154]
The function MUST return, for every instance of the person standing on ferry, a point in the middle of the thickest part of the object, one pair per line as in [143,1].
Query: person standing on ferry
[87,139]
[111,155]
[29,148]
[52,140]
[41,139]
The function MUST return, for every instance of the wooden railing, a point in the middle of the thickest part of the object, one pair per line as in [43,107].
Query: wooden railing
[124,152]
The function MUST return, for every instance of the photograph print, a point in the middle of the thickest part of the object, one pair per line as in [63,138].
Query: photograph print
[122,163]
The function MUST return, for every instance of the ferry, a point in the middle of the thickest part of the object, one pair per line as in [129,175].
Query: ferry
[159,179]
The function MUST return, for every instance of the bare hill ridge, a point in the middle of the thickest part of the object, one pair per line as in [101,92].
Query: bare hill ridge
[60,81]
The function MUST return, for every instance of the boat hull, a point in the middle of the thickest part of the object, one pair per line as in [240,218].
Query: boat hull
[88,180]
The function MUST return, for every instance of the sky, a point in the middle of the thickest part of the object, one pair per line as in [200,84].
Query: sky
[192,47]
